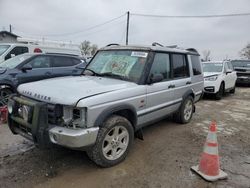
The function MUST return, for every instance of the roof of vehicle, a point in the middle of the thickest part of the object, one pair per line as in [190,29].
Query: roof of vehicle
[241,60]
[53,54]
[214,61]
[154,47]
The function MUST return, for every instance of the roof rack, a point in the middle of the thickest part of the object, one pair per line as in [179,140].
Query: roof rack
[172,46]
[192,50]
[156,43]
[113,44]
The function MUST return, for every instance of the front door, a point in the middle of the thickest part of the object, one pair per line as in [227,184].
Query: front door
[160,96]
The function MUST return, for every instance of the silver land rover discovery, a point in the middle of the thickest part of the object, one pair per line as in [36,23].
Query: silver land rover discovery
[122,89]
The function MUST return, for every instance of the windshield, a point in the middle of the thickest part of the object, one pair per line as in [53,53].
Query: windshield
[3,48]
[15,61]
[212,67]
[241,63]
[119,64]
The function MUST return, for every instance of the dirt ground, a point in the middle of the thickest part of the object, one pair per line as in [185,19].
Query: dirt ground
[163,159]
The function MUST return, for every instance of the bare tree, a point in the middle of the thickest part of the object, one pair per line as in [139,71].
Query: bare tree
[206,55]
[85,47]
[245,52]
[94,48]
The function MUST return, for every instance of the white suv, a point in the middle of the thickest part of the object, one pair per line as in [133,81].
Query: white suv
[219,77]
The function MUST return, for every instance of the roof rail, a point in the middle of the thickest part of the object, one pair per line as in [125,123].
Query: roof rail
[172,46]
[192,50]
[156,43]
[113,44]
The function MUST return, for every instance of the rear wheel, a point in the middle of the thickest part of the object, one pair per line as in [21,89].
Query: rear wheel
[4,95]
[219,94]
[185,113]
[113,142]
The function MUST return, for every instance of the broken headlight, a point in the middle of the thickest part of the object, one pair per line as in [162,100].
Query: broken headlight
[75,117]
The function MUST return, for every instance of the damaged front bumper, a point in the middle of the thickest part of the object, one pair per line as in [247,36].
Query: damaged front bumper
[35,126]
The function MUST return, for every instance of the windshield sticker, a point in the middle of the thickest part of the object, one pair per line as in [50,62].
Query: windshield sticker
[120,65]
[139,54]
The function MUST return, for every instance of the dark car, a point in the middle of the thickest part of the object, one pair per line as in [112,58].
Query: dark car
[32,67]
[242,67]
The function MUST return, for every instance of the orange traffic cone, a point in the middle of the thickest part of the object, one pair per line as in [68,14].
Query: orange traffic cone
[209,167]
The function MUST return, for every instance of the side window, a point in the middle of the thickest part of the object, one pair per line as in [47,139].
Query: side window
[230,66]
[16,51]
[63,62]
[196,65]
[76,61]
[180,66]
[161,65]
[40,62]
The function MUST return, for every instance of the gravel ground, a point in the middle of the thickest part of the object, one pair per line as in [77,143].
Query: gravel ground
[163,159]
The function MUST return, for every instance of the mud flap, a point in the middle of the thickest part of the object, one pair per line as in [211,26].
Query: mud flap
[139,134]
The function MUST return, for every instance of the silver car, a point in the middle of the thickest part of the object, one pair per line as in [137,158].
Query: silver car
[122,89]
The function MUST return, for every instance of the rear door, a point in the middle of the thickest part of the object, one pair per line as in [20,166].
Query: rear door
[65,66]
[181,75]
[160,97]
[229,76]
[41,69]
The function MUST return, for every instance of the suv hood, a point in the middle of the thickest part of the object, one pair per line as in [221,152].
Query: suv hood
[207,74]
[69,90]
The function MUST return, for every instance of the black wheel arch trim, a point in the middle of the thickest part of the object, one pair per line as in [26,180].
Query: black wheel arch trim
[116,108]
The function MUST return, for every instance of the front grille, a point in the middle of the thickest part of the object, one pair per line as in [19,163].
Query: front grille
[243,74]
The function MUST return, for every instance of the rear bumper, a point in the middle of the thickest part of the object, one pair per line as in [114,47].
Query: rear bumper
[44,134]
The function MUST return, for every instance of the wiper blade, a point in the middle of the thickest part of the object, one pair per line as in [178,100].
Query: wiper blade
[94,73]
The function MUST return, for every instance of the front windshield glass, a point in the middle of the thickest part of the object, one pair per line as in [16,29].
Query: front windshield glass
[241,63]
[3,48]
[119,64]
[15,61]
[212,67]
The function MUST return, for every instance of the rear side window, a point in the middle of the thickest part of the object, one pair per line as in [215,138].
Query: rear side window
[64,61]
[161,65]
[196,65]
[180,67]
[17,51]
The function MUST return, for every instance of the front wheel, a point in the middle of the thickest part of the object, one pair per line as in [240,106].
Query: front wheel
[232,91]
[113,142]
[185,113]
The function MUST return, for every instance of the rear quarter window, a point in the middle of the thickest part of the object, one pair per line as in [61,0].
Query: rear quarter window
[196,65]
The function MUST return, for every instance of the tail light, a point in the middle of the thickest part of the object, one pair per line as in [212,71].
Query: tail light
[37,50]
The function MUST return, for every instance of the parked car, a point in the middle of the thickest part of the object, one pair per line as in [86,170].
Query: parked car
[242,68]
[32,67]
[124,88]
[219,77]
[9,50]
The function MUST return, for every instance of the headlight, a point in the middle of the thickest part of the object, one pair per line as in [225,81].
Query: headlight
[211,78]
[24,112]
[74,117]
[10,105]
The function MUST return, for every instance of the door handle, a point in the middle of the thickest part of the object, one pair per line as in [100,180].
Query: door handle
[188,82]
[171,86]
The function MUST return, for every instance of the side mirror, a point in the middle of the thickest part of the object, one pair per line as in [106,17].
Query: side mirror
[12,55]
[154,78]
[26,67]
[229,71]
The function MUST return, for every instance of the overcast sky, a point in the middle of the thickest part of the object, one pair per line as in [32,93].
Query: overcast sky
[60,19]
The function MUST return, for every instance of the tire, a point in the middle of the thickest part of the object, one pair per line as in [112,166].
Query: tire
[112,148]
[4,94]
[186,107]
[219,94]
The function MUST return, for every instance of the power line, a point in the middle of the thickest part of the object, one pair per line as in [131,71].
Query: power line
[198,16]
[84,30]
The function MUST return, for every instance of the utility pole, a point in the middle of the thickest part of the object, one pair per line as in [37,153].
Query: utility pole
[127,28]
[10,28]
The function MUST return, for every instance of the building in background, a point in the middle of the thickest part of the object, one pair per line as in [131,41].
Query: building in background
[7,37]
